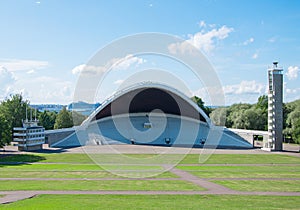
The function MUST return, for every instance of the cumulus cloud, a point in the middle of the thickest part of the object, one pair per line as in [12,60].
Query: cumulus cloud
[30,71]
[248,41]
[88,69]
[118,82]
[255,55]
[203,40]
[45,89]
[128,61]
[115,63]
[7,81]
[292,72]
[202,23]
[23,65]
[245,87]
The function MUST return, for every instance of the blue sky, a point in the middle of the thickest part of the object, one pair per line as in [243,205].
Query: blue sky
[45,43]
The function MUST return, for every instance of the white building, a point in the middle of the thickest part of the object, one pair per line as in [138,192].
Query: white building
[29,137]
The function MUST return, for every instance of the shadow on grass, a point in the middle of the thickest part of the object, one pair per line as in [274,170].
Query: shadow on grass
[20,159]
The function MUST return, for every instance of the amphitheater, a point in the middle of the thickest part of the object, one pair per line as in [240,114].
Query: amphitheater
[149,114]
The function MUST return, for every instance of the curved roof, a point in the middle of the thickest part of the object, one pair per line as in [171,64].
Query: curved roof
[146,97]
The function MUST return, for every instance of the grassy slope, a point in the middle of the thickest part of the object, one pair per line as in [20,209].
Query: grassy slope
[155,202]
[271,171]
[98,185]
[262,185]
[189,159]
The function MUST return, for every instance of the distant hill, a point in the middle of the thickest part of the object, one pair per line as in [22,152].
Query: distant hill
[83,107]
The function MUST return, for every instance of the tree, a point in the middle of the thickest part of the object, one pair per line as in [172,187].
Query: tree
[262,103]
[63,119]
[4,131]
[78,118]
[218,116]
[13,111]
[293,121]
[47,119]
[200,103]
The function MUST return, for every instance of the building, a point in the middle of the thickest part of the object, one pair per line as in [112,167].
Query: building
[151,114]
[275,111]
[29,137]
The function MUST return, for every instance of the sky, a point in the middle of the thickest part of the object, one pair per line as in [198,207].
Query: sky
[45,44]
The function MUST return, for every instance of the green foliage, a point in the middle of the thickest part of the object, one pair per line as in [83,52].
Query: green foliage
[262,103]
[78,118]
[200,103]
[243,116]
[292,122]
[47,119]
[63,119]
[218,116]
[4,131]
[12,110]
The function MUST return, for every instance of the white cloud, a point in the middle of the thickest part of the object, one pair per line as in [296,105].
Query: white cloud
[7,81]
[22,65]
[245,87]
[272,39]
[202,23]
[255,55]
[30,71]
[115,63]
[45,89]
[292,72]
[127,61]
[118,82]
[202,40]
[87,69]
[248,41]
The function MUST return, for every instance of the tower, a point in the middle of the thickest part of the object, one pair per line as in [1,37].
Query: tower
[275,111]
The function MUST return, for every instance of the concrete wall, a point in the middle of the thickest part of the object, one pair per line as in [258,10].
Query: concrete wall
[54,136]
[166,131]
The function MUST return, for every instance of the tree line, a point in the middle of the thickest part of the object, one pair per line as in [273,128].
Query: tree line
[13,111]
[255,117]
[242,116]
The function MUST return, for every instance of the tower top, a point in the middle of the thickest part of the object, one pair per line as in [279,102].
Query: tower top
[275,67]
[275,63]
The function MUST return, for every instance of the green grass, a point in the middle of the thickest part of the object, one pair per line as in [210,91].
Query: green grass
[156,202]
[77,174]
[189,159]
[54,157]
[76,167]
[98,185]
[262,185]
[243,171]
[243,159]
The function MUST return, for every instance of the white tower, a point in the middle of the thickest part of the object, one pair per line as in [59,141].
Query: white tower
[275,111]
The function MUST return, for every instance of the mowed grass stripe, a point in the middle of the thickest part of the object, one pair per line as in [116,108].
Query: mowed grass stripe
[75,167]
[165,185]
[79,174]
[188,159]
[261,185]
[168,202]
[243,171]
[243,159]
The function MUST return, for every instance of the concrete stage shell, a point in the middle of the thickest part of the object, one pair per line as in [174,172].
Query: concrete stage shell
[151,114]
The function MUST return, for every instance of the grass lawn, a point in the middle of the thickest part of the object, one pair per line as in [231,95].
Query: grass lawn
[156,202]
[98,185]
[189,159]
[262,185]
[76,174]
[75,167]
[243,159]
[243,171]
